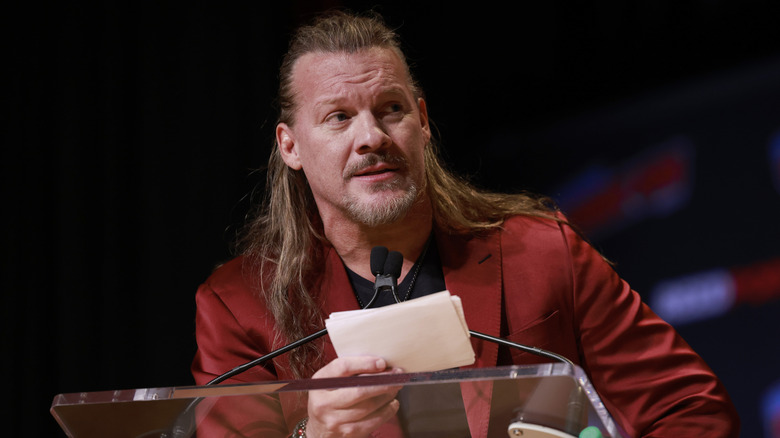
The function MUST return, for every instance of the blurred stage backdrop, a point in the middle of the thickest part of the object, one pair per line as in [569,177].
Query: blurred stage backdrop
[133,130]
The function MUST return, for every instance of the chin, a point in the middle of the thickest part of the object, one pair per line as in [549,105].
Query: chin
[381,210]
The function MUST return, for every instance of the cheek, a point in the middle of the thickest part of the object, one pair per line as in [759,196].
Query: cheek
[319,146]
[322,166]
[416,141]
[413,132]
[311,152]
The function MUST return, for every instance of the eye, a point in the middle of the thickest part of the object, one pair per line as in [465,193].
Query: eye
[394,109]
[337,117]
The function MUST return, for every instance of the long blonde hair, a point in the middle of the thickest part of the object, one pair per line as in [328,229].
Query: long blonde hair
[282,243]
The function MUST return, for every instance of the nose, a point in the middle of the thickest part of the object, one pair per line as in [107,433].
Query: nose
[371,134]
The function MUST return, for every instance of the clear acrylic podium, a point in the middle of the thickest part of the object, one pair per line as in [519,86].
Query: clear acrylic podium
[549,400]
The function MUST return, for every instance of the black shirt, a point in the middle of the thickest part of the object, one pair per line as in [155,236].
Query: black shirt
[429,280]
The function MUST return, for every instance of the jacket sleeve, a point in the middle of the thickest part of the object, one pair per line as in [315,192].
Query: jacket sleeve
[649,378]
[224,343]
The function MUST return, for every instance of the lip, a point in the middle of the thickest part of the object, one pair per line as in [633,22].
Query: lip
[376,172]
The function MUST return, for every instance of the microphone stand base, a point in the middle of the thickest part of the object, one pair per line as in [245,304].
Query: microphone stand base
[519,429]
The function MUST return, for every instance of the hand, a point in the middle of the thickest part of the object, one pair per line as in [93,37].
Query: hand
[351,412]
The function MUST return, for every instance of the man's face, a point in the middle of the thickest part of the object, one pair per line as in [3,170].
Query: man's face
[359,135]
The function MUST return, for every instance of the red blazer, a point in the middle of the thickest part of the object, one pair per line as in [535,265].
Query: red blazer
[553,290]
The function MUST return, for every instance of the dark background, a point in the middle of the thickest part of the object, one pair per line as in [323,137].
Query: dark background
[133,129]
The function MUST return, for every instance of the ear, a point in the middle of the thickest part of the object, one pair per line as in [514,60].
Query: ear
[285,139]
[424,117]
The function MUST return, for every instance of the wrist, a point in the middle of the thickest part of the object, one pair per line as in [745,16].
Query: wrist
[300,428]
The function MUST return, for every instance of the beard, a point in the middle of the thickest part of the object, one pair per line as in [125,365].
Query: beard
[391,207]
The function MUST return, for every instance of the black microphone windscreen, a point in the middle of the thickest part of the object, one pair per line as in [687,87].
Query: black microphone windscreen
[378,257]
[394,263]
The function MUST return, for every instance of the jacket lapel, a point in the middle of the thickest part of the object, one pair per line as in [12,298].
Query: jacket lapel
[335,293]
[472,271]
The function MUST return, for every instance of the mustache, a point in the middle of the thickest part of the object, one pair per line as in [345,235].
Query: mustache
[372,159]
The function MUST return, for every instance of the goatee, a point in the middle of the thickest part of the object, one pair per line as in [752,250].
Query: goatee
[392,207]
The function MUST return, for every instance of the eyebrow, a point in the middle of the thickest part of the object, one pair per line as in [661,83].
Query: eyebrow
[330,101]
[337,99]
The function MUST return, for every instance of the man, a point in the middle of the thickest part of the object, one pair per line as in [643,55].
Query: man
[353,168]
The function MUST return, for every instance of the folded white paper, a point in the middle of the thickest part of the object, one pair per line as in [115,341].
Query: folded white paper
[425,334]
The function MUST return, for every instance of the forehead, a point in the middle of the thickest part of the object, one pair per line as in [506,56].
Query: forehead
[317,76]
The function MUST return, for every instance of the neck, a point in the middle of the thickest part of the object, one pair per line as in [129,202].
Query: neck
[353,242]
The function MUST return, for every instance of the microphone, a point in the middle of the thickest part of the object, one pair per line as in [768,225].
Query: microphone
[389,279]
[378,258]
[393,265]
[386,266]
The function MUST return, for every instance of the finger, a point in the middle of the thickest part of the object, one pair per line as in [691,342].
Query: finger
[352,366]
[347,400]
[344,398]
[349,404]
[381,416]
[354,423]
[377,417]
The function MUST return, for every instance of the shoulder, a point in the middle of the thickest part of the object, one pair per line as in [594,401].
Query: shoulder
[229,303]
[523,230]
[233,285]
[232,324]
[528,223]
[517,235]
[230,272]
[231,277]
[554,245]
[533,245]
